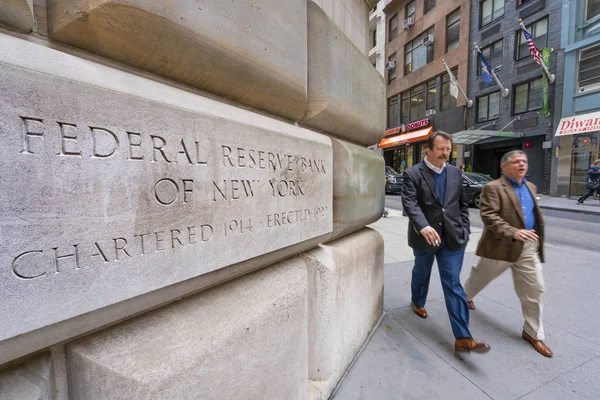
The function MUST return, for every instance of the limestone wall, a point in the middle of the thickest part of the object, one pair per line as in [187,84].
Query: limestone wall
[183,197]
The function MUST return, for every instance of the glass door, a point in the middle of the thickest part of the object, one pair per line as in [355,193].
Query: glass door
[585,152]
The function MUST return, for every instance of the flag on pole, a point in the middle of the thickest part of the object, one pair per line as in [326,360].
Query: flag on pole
[486,69]
[453,83]
[533,50]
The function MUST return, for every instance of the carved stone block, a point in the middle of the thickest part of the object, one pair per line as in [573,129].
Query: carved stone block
[245,339]
[17,14]
[31,379]
[114,186]
[345,301]
[345,93]
[252,52]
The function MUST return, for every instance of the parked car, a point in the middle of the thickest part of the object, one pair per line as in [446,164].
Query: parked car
[393,181]
[474,183]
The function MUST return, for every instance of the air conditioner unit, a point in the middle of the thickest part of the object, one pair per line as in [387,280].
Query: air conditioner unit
[428,40]
[430,112]
[408,22]
[390,65]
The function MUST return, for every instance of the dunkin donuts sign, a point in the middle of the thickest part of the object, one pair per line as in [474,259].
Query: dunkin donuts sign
[407,127]
[579,124]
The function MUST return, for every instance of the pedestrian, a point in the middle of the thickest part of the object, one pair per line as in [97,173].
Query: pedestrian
[437,207]
[385,210]
[462,167]
[513,237]
[592,181]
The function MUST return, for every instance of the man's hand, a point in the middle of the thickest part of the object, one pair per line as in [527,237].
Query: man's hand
[526,236]
[431,236]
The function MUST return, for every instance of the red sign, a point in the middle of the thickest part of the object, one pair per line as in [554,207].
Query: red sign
[585,141]
[579,124]
[407,128]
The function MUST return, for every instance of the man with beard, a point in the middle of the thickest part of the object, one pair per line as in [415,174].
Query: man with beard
[435,202]
[513,238]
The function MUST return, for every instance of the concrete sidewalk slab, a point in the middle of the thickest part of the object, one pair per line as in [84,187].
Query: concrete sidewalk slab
[512,368]
[397,365]
[590,206]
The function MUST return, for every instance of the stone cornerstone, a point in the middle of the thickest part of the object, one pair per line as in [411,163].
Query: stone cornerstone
[184,196]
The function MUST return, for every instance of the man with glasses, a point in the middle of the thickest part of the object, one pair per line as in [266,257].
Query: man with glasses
[513,238]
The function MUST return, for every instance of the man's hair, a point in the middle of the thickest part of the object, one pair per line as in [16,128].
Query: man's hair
[506,158]
[597,162]
[437,134]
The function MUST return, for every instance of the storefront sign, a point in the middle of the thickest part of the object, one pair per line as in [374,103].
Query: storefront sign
[579,124]
[407,127]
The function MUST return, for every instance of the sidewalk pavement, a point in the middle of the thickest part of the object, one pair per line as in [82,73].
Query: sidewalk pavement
[412,358]
[590,206]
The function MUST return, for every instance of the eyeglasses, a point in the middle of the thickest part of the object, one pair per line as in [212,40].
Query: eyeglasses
[519,162]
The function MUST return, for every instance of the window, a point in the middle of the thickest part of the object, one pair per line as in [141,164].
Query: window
[488,107]
[452,30]
[528,96]
[521,2]
[393,34]
[592,9]
[374,37]
[411,9]
[416,101]
[393,116]
[589,69]
[448,101]
[416,54]
[493,54]
[539,33]
[489,11]
[429,5]
[392,72]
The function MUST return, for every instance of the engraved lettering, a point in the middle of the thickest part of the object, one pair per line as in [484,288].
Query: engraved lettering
[115,144]
[141,236]
[175,237]
[64,138]
[198,155]
[272,160]
[132,145]
[207,232]
[187,189]
[241,156]
[159,240]
[235,187]
[226,154]
[252,159]
[57,258]
[183,150]
[166,191]
[120,247]
[27,134]
[99,252]
[22,275]
[216,189]
[192,234]
[261,160]
[157,146]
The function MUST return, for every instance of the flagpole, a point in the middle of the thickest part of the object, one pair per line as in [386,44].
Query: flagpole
[550,76]
[469,102]
[505,91]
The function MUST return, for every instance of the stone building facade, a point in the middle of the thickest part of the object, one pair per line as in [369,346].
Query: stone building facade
[185,191]
[495,28]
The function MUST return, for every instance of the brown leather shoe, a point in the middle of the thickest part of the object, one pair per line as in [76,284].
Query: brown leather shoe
[421,312]
[538,345]
[471,305]
[469,345]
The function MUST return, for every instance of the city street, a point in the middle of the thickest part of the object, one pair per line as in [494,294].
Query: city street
[412,358]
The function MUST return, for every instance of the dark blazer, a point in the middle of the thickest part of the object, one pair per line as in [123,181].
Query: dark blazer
[502,216]
[421,202]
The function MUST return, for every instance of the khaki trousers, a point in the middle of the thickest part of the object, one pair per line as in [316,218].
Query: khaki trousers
[528,280]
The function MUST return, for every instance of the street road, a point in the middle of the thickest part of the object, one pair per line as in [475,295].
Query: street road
[581,231]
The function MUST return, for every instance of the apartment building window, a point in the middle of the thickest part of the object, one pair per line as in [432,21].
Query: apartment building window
[429,5]
[411,9]
[539,33]
[417,54]
[448,101]
[592,9]
[392,71]
[416,101]
[374,37]
[488,107]
[528,96]
[493,54]
[393,34]
[453,30]
[521,2]
[489,11]
[393,114]
[589,69]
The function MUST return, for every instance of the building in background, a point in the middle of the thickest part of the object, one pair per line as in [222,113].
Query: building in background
[577,116]
[420,34]
[523,119]
[377,36]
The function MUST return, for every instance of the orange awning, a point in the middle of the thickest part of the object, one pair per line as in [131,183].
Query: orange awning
[406,138]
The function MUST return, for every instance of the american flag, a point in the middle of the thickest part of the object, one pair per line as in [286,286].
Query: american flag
[533,50]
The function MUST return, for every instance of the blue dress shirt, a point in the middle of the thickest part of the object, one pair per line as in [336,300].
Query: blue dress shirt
[527,202]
